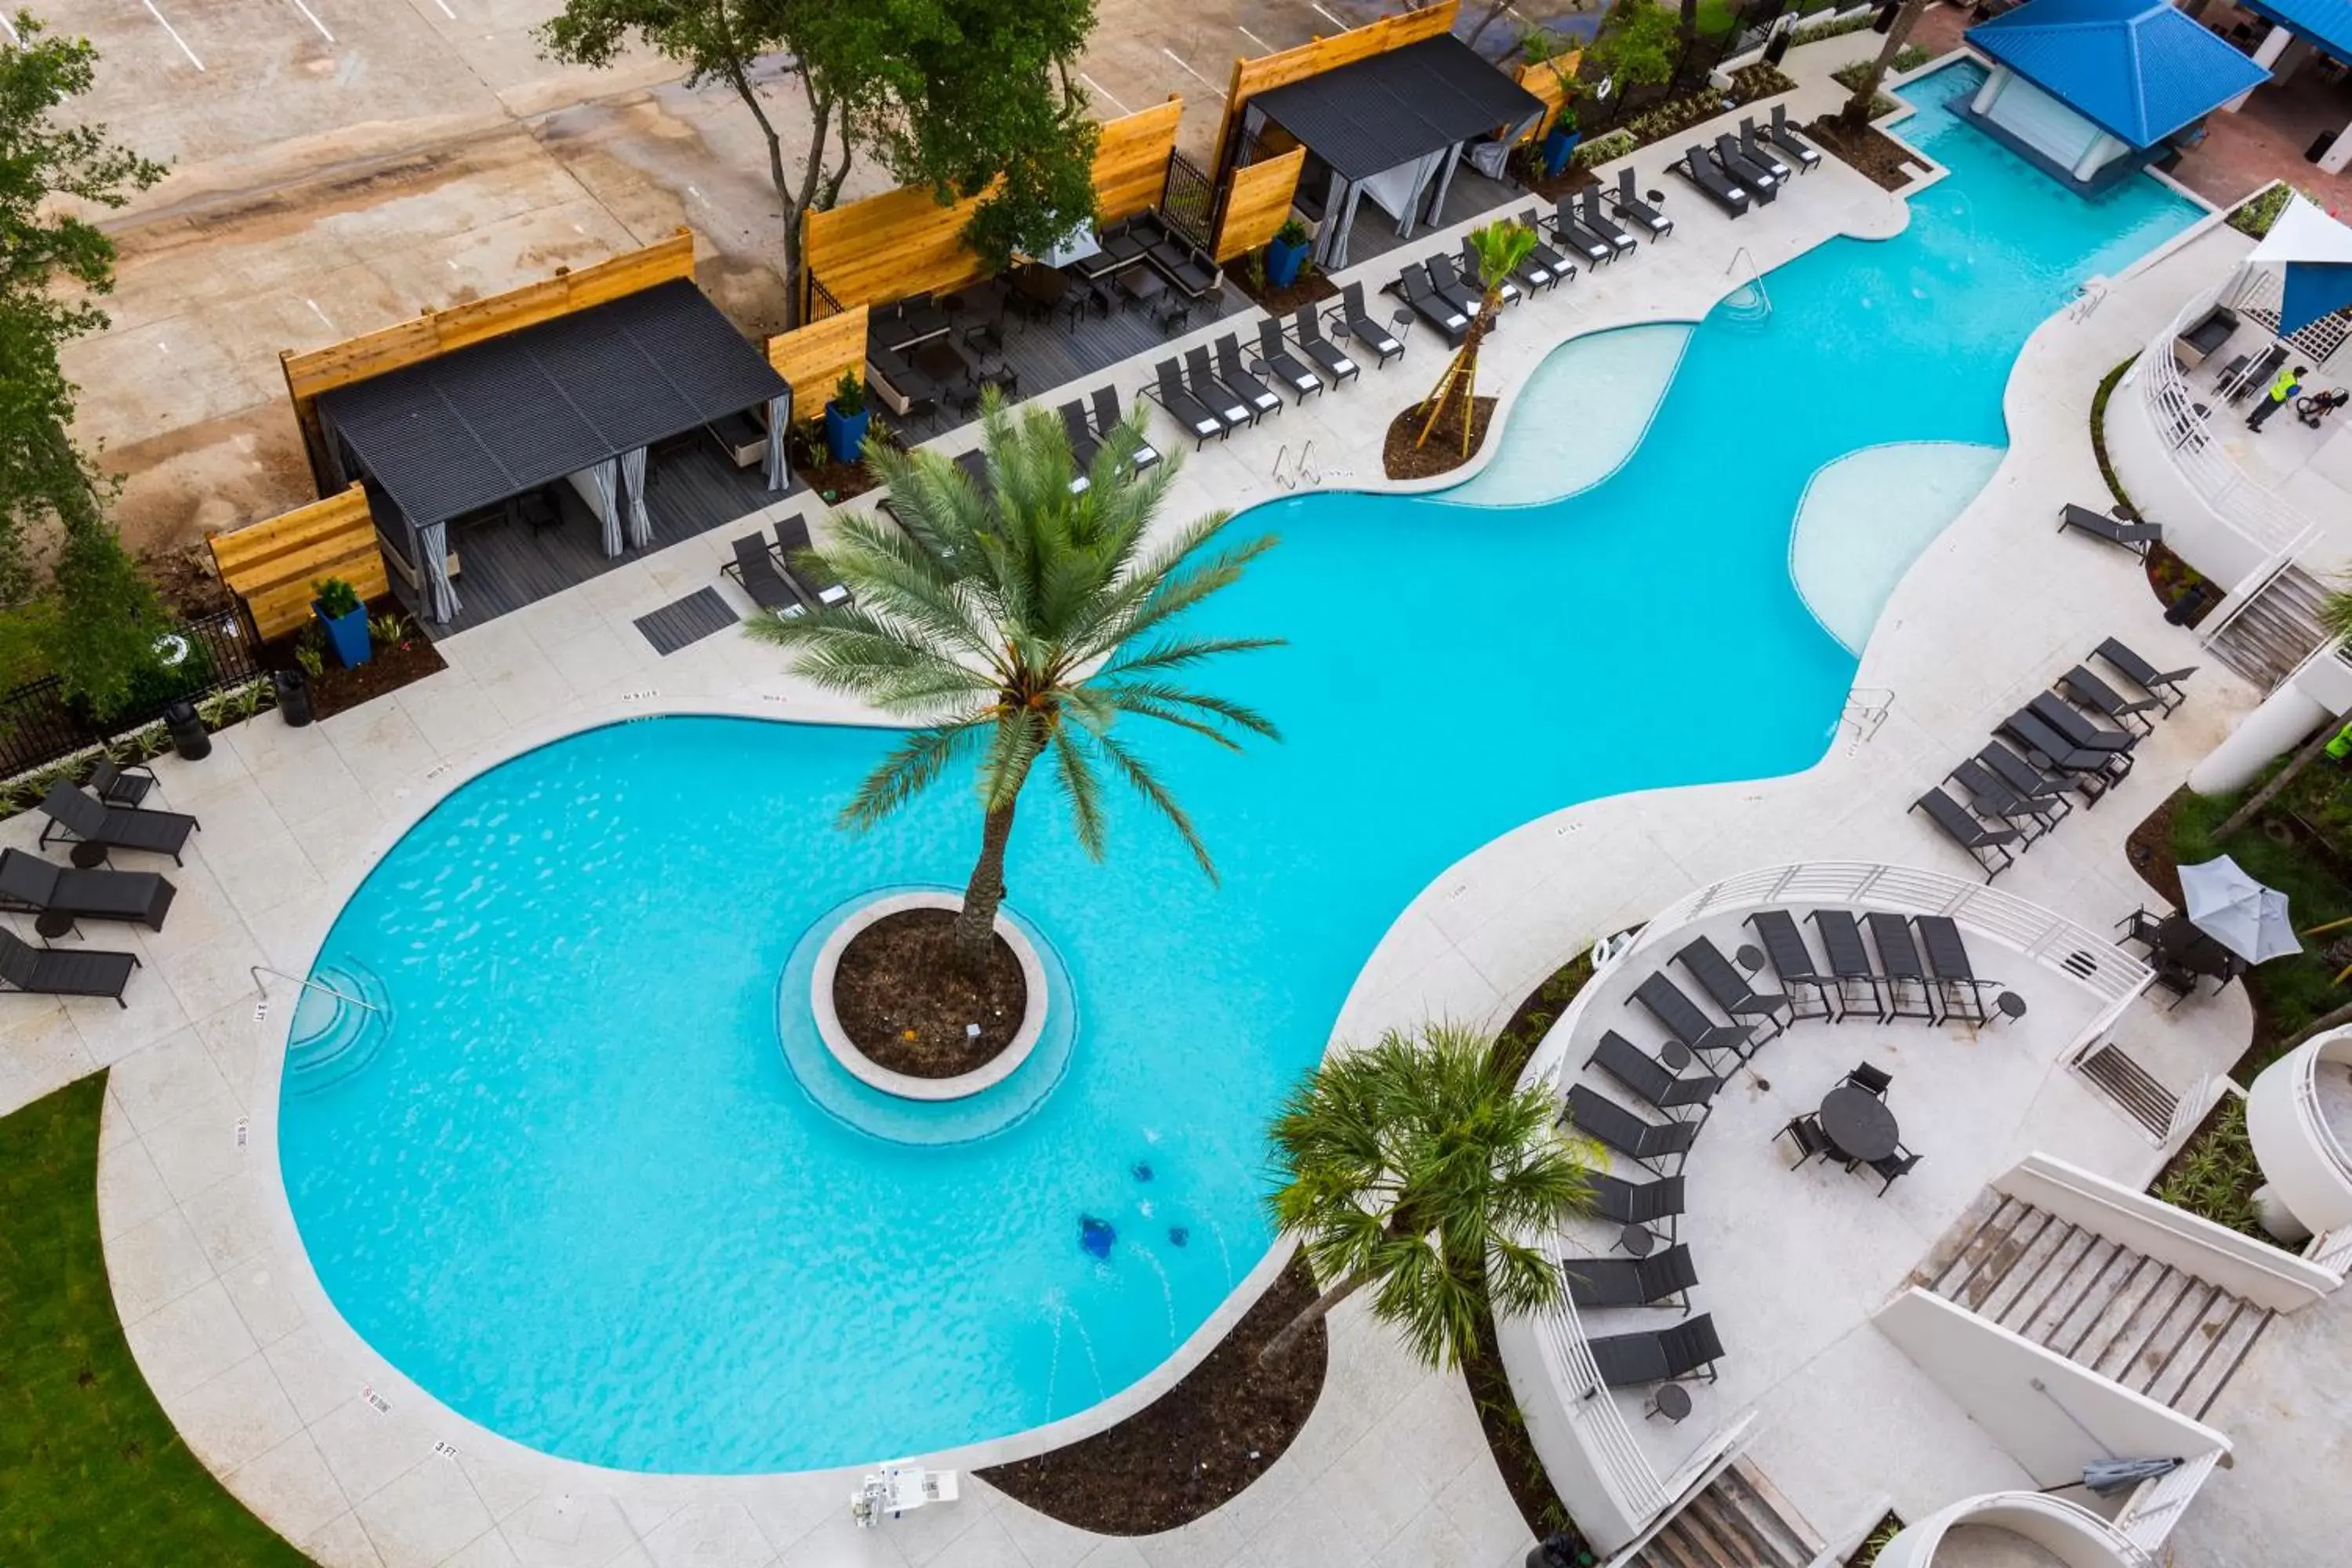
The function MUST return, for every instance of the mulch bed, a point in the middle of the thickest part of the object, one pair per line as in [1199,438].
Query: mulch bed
[1198,1446]
[390,667]
[1310,288]
[1442,453]
[908,1004]
[814,468]
[2171,579]
[185,582]
[1869,150]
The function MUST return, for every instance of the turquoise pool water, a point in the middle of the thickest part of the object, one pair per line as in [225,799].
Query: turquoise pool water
[572,1185]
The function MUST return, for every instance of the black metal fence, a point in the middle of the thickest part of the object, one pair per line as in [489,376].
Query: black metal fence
[1697,61]
[1188,201]
[38,725]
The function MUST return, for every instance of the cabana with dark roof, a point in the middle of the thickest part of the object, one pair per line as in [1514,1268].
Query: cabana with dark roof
[2093,89]
[1391,127]
[582,398]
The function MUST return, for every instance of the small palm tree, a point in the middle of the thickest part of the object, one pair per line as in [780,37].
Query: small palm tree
[1856,112]
[1418,1166]
[1016,622]
[1501,248]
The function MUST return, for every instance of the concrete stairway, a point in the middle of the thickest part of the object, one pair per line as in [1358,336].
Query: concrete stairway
[1739,1521]
[2276,631]
[2147,1325]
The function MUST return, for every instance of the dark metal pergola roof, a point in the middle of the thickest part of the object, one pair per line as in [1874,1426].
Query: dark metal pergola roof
[492,420]
[1370,116]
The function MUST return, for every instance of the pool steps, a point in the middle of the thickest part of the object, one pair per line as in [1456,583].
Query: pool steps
[339,1026]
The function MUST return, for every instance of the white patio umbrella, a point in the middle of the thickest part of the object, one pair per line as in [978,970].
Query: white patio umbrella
[2236,912]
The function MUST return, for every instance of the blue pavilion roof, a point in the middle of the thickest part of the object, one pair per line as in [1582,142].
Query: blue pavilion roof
[2139,69]
[2328,23]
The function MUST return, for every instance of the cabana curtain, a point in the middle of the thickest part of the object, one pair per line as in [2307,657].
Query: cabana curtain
[780,414]
[633,484]
[432,551]
[603,482]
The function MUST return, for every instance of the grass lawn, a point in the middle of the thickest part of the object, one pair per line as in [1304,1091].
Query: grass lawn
[91,1471]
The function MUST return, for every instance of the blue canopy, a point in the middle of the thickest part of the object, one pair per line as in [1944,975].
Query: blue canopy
[2313,290]
[2139,70]
[2328,23]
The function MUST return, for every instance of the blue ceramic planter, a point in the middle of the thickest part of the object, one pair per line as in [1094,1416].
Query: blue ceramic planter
[1283,262]
[1557,147]
[844,434]
[346,635]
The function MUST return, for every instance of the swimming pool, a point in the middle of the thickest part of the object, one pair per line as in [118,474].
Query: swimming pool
[574,1189]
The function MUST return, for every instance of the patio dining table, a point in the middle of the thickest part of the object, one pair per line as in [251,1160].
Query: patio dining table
[940,360]
[2176,940]
[1859,1123]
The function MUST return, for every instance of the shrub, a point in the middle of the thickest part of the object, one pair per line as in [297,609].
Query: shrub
[1909,57]
[2257,214]
[1835,29]
[1602,149]
[336,599]
[849,395]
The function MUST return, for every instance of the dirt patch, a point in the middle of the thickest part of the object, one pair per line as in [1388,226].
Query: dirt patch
[1877,155]
[1444,452]
[1197,1446]
[814,466]
[185,582]
[908,1005]
[1310,288]
[394,663]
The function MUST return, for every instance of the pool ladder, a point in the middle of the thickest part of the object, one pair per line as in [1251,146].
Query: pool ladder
[1763,305]
[1300,472]
[259,970]
[1866,708]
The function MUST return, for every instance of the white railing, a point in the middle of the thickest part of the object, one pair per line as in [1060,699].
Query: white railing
[2061,1528]
[2331,1250]
[1600,1429]
[2315,1120]
[2187,1111]
[2154,1508]
[2249,588]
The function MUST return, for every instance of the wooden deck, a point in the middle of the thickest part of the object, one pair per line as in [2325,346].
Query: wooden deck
[504,566]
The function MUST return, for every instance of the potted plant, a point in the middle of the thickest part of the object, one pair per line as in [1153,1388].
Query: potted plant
[1559,143]
[845,419]
[339,610]
[1286,252]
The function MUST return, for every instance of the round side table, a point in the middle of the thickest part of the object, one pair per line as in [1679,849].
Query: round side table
[87,854]
[52,924]
[2010,1005]
[1675,1055]
[1672,1401]
[1637,1239]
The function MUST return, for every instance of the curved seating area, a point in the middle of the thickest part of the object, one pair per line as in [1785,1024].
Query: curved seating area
[2299,1120]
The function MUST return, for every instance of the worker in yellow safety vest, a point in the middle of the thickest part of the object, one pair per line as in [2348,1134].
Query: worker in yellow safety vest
[2281,392]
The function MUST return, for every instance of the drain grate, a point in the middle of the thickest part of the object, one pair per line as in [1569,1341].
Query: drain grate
[689,620]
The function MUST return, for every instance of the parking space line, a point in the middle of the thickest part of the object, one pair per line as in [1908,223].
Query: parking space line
[1253,38]
[312,18]
[175,34]
[1100,91]
[1187,71]
[1326,16]
[323,316]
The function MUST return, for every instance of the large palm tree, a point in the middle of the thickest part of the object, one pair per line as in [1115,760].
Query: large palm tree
[1418,1166]
[1501,249]
[1014,622]
[1856,112]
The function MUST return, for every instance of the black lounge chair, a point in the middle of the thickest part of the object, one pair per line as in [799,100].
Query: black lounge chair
[1469,275]
[1352,313]
[2043,791]
[1638,1139]
[49,972]
[1681,1018]
[1700,170]
[1238,377]
[1805,1133]
[1595,221]
[1662,1278]
[2135,537]
[1667,1355]
[1730,990]
[1307,331]
[754,570]
[1761,156]
[1758,178]
[1108,417]
[1651,1078]
[2045,747]
[1543,259]
[1948,966]
[1622,1202]
[1200,422]
[1631,207]
[803,567]
[1899,963]
[1784,136]
[1274,352]
[1414,287]
[2146,677]
[1988,846]
[32,886]
[1084,447]
[1792,960]
[2092,692]
[1230,403]
[1463,290]
[116,784]
[1894,1167]
[1849,961]
[2078,726]
[1994,798]
[75,817]
[1569,230]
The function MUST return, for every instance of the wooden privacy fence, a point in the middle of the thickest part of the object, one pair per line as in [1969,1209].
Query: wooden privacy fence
[271,566]
[814,358]
[437,333]
[1258,200]
[1280,70]
[906,241]
[1549,79]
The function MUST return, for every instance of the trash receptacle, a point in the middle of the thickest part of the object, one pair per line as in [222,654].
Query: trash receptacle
[2318,149]
[187,732]
[293,695]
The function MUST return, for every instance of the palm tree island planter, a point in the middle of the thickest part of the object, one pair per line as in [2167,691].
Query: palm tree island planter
[900,1013]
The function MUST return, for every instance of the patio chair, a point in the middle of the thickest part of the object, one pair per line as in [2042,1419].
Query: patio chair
[1414,287]
[1650,1078]
[47,971]
[1758,178]
[117,785]
[1662,1278]
[1763,157]
[1462,293]
[2141,927]
[1168,391]
[754,571]
[2046,748]
[1784,136]
[1641,1141]
[1354,317]
[1792,960]
[1631,207]
[2077,726]
[1307,331]
[1728,989]
[75,817]
[1543,259]
[1899,963]
[1236,377]
[1893,1167]
[2135,537]
[33,886]
[1589,213]
[1622,1202]
[1849,961]
[1700,170]
[1804,1132]
[1273,354]
[2146,677]
[2043,791]
[1569,229]
[1948,966]
[1872,1082]
[2093,694]
[1084,447]
[803,567]
[1229,404]
[1667,1355]
[2257,375]
[1992,798]
[1109,417]
[1681,1018]
[1989,846]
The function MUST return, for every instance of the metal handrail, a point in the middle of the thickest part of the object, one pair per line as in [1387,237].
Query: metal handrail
[2154,1506]
[1755,277]
[259,970]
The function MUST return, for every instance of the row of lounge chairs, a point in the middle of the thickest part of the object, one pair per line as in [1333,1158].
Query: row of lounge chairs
[1748,170]
[60,897]
[1217,389]
[2015,797]
[1930,978]
[784,577]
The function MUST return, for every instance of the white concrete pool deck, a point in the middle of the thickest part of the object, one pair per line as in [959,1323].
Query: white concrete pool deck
[337,1451]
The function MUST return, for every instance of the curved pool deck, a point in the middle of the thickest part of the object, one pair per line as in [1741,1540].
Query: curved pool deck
[266,1380]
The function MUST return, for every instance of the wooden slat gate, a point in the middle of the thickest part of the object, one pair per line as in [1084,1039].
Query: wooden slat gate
[272,564]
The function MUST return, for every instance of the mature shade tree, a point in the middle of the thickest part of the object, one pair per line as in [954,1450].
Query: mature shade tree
[1418,1166]
[1501,249]
[1856,112]
[1015,623]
